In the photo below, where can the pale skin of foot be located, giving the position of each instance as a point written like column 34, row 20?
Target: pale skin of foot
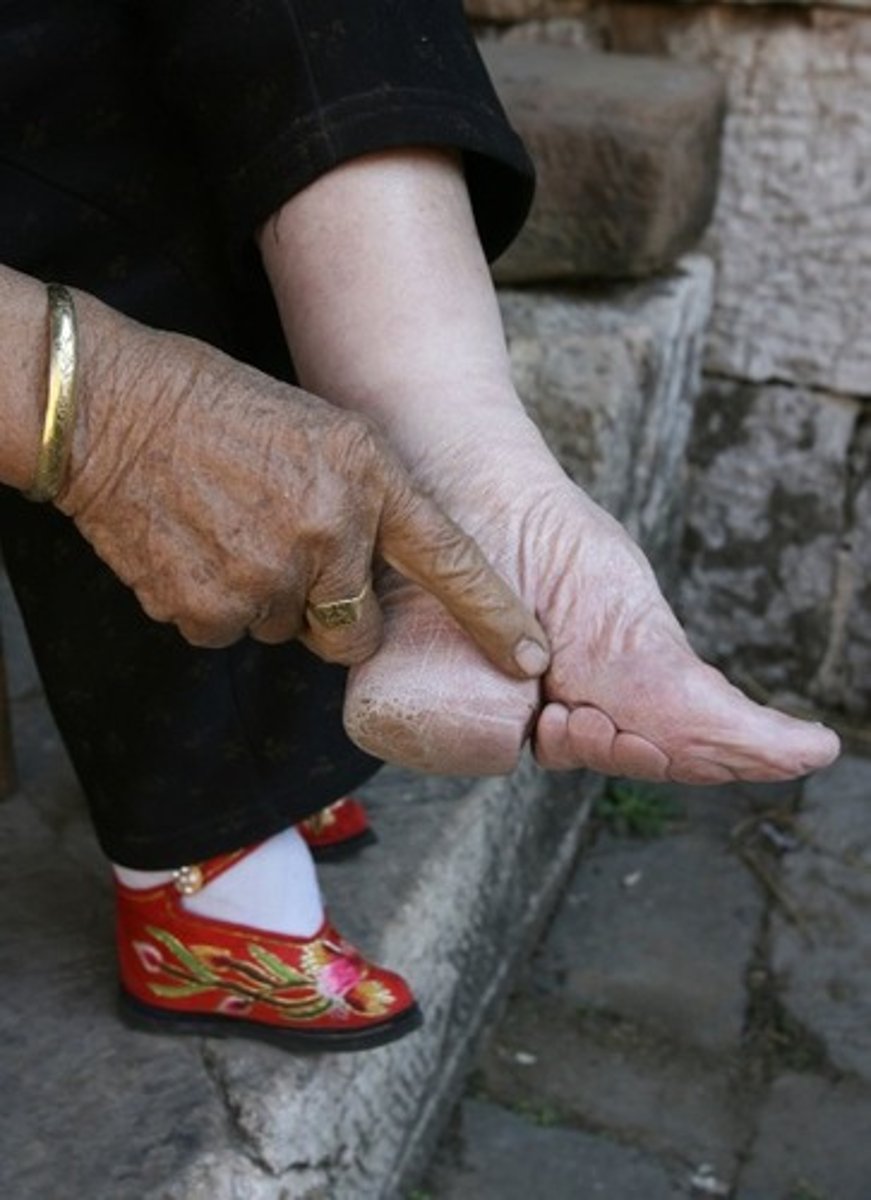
column 389, row 310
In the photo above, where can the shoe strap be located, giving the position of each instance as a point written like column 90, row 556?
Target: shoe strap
column 193, row 877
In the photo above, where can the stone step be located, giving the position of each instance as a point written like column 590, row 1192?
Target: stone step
column 627, row 150
column 463, row 876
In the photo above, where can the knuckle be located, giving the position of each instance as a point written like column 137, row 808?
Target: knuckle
column 361, row 443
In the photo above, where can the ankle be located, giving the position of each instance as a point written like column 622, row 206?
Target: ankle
column 272, row 886
column 139, row 881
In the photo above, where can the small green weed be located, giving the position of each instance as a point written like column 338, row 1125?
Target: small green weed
column 804, row 1191
column 631, row 809
column 538, row 1112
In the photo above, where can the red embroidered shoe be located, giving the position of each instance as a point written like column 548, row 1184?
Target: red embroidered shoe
column 183, row 973
column 337, row 831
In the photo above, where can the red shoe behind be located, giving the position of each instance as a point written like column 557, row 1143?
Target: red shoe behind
column 183, row 973
column 337, row 831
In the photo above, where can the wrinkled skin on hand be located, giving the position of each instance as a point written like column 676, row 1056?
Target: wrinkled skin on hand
column 229, row 501
column 625, row 693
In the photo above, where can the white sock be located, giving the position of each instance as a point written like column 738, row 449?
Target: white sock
column 274, row 888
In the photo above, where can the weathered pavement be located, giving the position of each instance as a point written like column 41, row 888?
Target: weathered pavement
column 697, row 1021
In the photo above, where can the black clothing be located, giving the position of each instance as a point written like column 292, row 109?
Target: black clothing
column 141, row 144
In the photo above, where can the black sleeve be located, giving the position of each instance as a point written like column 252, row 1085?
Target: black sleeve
column 277, row 92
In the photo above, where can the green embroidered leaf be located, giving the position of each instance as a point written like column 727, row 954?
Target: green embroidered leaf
column 197, row 968
column 175, row 991
column 278, row 969
column 304, row 1012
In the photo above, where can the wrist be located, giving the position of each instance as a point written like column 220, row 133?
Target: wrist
column 124, row 383
column 457, row 437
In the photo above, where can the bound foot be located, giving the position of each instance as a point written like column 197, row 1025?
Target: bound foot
column 625, row 693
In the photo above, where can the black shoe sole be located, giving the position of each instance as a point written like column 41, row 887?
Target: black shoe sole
column 349, row 848
column 148, row 1019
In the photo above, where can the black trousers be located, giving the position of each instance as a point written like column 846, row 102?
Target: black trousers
column 182, row 753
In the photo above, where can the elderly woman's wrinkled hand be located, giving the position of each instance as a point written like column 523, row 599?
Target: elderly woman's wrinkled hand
column 232, row 503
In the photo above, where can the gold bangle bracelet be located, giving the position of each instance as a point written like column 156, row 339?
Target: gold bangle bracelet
column 60, row 409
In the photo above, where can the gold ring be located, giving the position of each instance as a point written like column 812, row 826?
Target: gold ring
column 337, row 614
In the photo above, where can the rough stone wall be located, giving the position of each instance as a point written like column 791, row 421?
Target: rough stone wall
column 777, row 576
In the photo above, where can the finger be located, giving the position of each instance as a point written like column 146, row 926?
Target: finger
column 425, row 545
column 210, row 624
column 282, row 620
column 351, row 590
column 211, row 633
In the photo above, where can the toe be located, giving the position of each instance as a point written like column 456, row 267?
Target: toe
column 552, row 746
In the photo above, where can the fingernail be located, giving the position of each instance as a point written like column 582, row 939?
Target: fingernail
column 531, row 657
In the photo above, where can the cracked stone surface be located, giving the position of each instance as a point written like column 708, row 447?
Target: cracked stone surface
column 824, row 965
column 649, row 1091
column 510, row 1158
column 812, row 1143
column 769, row 583
column 600, row 1047
column 669, row 949
column 629, row 1022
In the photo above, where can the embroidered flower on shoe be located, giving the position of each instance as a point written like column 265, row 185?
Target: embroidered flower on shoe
column 149, row 956
column 337, row 978
column 324, row 978
column 235, row 1006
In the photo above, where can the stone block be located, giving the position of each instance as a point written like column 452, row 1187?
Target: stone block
column 528, row 10
column 760, row 591
column 507, row 1157
column 792, row 233
column 599, row 1073
column 627, row 153
column 824, row 966
column 523, row 10
column 610, row 376
column 558, row 31
column 667, row 952
column 812, row 1143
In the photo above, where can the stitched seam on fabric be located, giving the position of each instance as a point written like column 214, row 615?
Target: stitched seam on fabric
column 428, row 102
column 320, row 109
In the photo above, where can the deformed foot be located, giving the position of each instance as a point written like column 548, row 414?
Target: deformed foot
column 625, row 693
